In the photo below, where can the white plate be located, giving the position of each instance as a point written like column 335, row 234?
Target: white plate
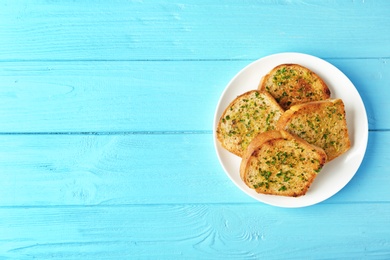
column 335, row 174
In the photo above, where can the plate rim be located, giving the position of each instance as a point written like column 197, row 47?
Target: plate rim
column 292, row 56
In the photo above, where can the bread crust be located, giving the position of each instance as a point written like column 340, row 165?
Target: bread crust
column 292, row 84
column 279, row 163
column 322, row 123
column 249, row 114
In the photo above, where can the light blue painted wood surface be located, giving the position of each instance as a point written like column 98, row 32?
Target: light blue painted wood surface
column 106, row 146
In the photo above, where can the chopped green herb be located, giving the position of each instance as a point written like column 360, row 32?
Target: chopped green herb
column 283, row 188
column 266, row 174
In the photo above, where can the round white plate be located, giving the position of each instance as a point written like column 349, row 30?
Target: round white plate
column 335, row 174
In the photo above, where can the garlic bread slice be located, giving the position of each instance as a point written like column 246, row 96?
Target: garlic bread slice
column 321, row 123
column 279, row 163
column 246, row 116
column 292, row 84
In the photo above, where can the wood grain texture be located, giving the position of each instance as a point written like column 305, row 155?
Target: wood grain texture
column 106, row 113
column 223, row 231
column 145, row 96
column 138, row 30
column 145, row 169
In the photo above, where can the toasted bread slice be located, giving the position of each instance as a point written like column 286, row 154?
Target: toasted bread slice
column 292, row 84
column 246, row 116
column 279, row 163
column 321, row 123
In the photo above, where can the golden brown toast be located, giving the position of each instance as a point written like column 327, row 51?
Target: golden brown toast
column 321, row 123
column 279, row 163
column 292, row 84
column 249, row 114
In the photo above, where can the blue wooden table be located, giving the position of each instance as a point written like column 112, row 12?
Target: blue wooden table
column 106, row 118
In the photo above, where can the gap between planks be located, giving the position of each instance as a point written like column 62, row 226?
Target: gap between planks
column 200, row 132
column 176, row 60
column 125, row 205
column 195, row 132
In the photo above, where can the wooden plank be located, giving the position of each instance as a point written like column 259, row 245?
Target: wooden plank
column 138, row 30
column 145, row 96
column 196, row 231
column 145, row 169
